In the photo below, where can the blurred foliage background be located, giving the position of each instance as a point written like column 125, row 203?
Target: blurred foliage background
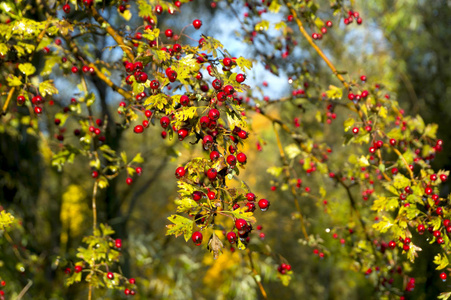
column 403, row 45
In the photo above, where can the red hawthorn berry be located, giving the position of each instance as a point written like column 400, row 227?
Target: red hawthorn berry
column 241, row 157
column 94, row 174
column 197, row 195
column 211, row 195
column 240, row 224
column 392, row 245
column 231, row 237
column 78, row 269
column 240, row 78
column 66, row 8
column 250, row 206
column 197, row 238
column 443, row 276
column 214, row 155
column 443, row 177
column 129, row 180
column 164, row 122
column 110, row 275
column 231, row 160
column 263, row 204
column 329, row 23
column 214, row 114
column 355, row 130
column 212, row 173
column 138, row 129
column 180, row 172
column 169, row 33
column 197, row 24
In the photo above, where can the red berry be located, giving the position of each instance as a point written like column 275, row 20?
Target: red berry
column 263, row 204
column 443, row 276
column 240, row 224
column 231, row 160
column 94, row 174
column 197, row 24
column 241, row 157
column 132, row 281
column 214, row 155
column 66, row 8
column 197, row 195
column 129, row 180
column 211, row 195
column 184, row 100
column 355, row 130
column 231, row 237
column 392, row 245
column 240, row 78
column 197, row 238
column 169, row 33
column 212, row 173
column 110, row 275
column 180, row 172
column 138, row 129
column 250, row 197
column 74, row 69
column 214, row 114
column 443, row 177
column 164, row 122
column 329, row 23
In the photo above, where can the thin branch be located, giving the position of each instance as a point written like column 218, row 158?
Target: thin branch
column 262, row 289
column 114, row 34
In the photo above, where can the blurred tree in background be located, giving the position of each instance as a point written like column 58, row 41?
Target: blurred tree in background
column 88, row 196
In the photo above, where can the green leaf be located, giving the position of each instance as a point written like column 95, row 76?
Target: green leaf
column 441, row 262
column 292, row 151
column 185, row 204
column 47, row 88
column 400, row 181
column 124, row 157
column 348, row 123
column 181, row 226
column 334, row 92
column 27, row 68
column 383, row 225
column 274, row 7
column 274, row 171
column 102, row 182
column 431, row 131
column 382, row 112
column 3, row 49
column 263, row 25
column 13, row 80
column 242, row 213
column 138, row 159
column 243, row 63
column 90, row 99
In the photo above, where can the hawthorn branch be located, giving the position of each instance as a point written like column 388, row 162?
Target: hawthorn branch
column 262, row 289
column 8, row 99
column 314, row 46
column 114, row 34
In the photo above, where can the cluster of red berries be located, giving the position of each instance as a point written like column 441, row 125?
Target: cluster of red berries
column 319, row 36
column 351, row 16
column 283, row 268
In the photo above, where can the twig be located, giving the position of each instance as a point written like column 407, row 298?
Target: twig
column 262, row 289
